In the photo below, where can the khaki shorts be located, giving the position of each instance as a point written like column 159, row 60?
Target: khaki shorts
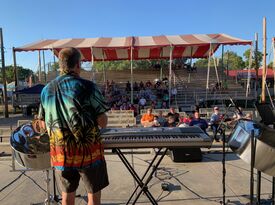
column 94, row 178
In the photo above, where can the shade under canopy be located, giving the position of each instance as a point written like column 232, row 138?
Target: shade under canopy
column 148, row 47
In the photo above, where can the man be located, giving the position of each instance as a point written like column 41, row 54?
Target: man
column 197, row 121
column 215, row 121
column 74, row 111
column 172, row 112
column 147, row 119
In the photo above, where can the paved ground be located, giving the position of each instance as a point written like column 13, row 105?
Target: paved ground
column 188, row 183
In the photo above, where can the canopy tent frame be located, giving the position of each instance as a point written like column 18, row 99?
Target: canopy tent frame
column 135, row 48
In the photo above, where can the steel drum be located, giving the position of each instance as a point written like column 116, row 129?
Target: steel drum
column 31, row 146
column 240, row 143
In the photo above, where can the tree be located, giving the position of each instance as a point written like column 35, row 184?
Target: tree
column 247, row 56
column 23, row 73
column 270, row 65
column 233, row 61
column 54, row 66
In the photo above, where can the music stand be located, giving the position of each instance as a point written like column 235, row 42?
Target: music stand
column 267, row 113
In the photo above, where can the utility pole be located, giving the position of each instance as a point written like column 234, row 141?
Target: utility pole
column 6, row 111
column 264, row 62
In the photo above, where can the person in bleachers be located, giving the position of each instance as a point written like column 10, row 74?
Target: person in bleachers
column 173, row 113
column 135, row 86
column 197, row 121
column 174, row 93
column 165, row 97
column 215, row 121
column 128, row 86
column 141, row 85
column 134, row 108
column 148, row 84
column 147, row 119
column 164, row 105
column 142, row 102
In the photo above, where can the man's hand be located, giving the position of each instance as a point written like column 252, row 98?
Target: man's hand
column 102, row 120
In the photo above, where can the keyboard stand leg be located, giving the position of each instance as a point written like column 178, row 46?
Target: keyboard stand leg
column 141, row 184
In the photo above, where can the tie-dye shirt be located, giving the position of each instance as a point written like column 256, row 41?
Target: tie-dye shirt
column 70, row 106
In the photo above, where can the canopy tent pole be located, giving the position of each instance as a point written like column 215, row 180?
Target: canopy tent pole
column 170, row 73
column 248, row 76
column 54, row 61
column 191, row 56
column 131, row 63
column 44, row 66
column 92, row 65
column 264, row 61
column 256, row 64
column 39, row 67
column 208, row 67
column 215, row 65
column 222, row 66
column 104, row 71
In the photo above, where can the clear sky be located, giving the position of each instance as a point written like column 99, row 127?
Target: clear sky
column 26, row 21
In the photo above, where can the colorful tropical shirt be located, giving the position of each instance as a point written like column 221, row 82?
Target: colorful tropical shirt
column 70, row 106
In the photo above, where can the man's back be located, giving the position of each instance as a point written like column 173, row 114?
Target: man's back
column 73, row 105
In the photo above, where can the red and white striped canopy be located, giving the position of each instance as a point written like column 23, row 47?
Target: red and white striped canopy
column 148, row 47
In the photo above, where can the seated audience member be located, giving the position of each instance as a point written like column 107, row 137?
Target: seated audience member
column 185, row 121
column 147, row 119
column 142, row 102
column 215, row 121
column 197, row 121
column 174, row 93
column 134, row 108
column 164, row 105
column 135, row 87
column 156, row 122
column 161, row 118
column 141, row 85
column 174, row 114
column 128, row 86
column 148, row 84
column 170, row 122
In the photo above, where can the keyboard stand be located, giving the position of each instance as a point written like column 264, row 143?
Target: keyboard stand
column 142, row 182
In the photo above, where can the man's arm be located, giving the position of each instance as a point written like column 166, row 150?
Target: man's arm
column 102, row 120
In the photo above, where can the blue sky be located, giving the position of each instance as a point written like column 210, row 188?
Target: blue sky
column 27, row 21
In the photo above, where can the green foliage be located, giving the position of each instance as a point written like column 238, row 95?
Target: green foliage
column 54, row 66
column 23, row 73
column 126, row 64
column 233, row 61
column 270, row 65
column 258, row 55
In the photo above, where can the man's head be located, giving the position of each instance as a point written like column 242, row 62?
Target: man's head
column 69, row 61
column 216, row 109
column 172, row 110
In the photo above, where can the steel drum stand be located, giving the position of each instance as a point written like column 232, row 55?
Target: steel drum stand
column 50, row 199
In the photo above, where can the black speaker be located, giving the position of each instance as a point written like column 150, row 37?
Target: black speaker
column 186, row 154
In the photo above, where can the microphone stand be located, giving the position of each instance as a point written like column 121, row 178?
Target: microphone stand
column 223, row 153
